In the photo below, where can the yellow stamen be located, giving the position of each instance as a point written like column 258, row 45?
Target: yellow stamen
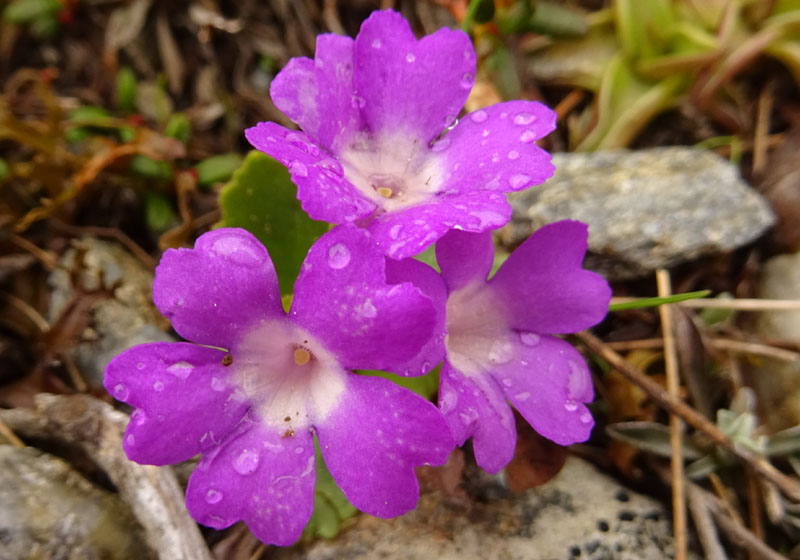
column 385, row 192
column 301, row 356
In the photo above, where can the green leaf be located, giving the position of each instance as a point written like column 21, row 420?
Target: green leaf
column 424, row 385
column 652, row 437
column 262, row 199
column 151, row 168
column 428, row 256
column 158, row 212
column 180, row 127
column 556, row 20
column 330, row 504
column 656, row 301
column 642, row 26
column 126, row 89
column 785, row 442
column 5, row 171
column 217, row 169
column 28, row 11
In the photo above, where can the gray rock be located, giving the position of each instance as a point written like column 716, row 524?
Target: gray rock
column 581, row 513
column 646, row 209
column 123, row 318
column 50, row 511
column 777, row 383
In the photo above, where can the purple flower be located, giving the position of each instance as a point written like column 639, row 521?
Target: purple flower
column 381, row 144
column 256, row 385
column 500, row 344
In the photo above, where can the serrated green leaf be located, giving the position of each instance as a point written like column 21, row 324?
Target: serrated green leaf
column 330, row 504
column 262, row 199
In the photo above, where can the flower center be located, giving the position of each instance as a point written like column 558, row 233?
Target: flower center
column 478, row 335
column 289, row 377
column 394, row 171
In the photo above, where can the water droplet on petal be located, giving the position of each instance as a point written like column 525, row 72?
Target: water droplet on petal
column 524, row 118
column 570, row 405
column 410, row 57
column 213, row 496
column 469, row 416
column 395, row 231
column 120, row 392
column 586, row 418
column 519, row 180
column 332, row 166
column 181, row 370
column 218, row 384
column 495, row 157
column 578, row 380
column 479, row 116
column 513, row 154
column 507, row 382
column 158, row 386
column 527, row 136
column 467, row 80
column 368, row 310
column 529, row 338
column 298, row 169
column 524, row 396
column 298, row 450
column 358, row 102
column 338, row 256
column 130, row 440
column 246, row 462
column 376, row 44
column 237, row 250
column 138, row 417
column 441, row 145
column 448, row 401
column 450, row 120
column 140, row 365
column 501, row 352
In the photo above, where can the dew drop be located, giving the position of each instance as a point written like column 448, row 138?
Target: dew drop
column 586, row 418
column 519, row 180
column 213, row 496
column 138, row 417
column 181, row 370
column 570, row 405
column 120, row 392
column 158, row 386
column 237, row 250
column 513, row 154
column 368, row 310
column 449, row 121
column 246, row 462
column 298, row 450
column 332, row 166
column 410, row 57
column 495, row 157
column 578, row 380
column 529, row 338
column 501, row 352
column 298, row 169
column 130, row 440
column 358, row 102
column 524, row 396
column 140, row 365
column 441, row 145
column 524, row 118
column 507, row 382
column 218, row 384
column 469, row 416
column 394, row 232
column 338, row 256
column 467, row 80
column 448, row 401
column 479, row 116
column 376, row 44
column 527, row 136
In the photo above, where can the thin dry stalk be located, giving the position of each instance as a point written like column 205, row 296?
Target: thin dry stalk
column 675, row 424
column 754, row 348
column 7, row 433
column 703, row 523
column 753, row 509
column 761, row 132
column 786, row 484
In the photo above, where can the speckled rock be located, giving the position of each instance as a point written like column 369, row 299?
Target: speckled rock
column 121, row 310
column 646, row 209
column 47, row 510
column 581, row 513
column 777, row 383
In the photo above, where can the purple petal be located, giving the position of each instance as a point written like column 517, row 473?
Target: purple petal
column 409, row 232
column 465, row 257
column 410, row 85
column 375, row 439
column 475, row 406
column 182, row 399
column 430, row 283
column 325, row 194
column 493, row 148
column 259, row 477
column 548, row 382
column 544, row 287
column 319, row 94
column 213, row 292
column 342, row 298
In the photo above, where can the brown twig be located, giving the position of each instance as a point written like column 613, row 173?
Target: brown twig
column 742, row 347
column 706, row 530
column 786, row 484
column 761, row 132
column 754, row 511
column 675, row 424
column 48, row 259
